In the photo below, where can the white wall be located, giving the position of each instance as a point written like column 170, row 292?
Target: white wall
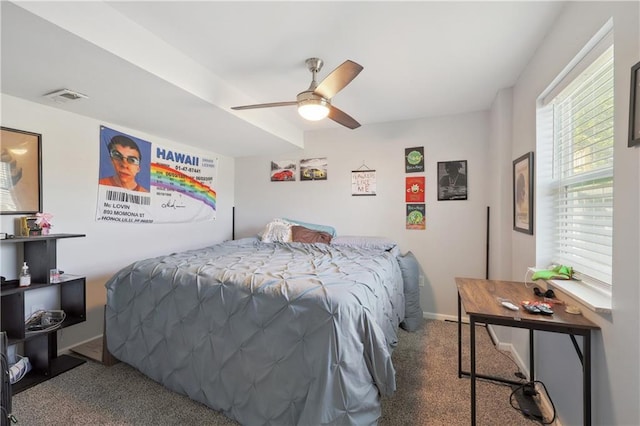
column 615, row 365
column 70, row 153
column 453, row 243
column 500, row 182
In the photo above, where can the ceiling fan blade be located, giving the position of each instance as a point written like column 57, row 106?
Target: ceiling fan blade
column 269, row 105
column 338, row 79
column 343, row 118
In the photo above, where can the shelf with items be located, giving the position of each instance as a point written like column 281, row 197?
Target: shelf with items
column 55, row 366
column 40, row 253
column 72, row 302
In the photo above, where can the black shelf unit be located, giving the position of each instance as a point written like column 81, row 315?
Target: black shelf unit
column 42, row 348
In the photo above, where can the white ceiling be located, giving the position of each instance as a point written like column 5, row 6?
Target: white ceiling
column 173, row 69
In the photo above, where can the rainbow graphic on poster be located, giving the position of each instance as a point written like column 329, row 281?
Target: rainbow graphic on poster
column 167, row 178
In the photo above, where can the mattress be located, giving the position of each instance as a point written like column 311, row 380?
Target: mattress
column 267, row 333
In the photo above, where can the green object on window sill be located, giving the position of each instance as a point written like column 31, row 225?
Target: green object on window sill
column 560, row 272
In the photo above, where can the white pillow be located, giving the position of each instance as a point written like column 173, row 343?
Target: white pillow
column 277, row 230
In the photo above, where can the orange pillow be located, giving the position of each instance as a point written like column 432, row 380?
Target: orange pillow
column 301, row 234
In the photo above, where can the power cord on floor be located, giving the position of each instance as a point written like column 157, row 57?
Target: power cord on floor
column 529, row 389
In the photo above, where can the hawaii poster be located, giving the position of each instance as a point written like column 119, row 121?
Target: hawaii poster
column 144, row 182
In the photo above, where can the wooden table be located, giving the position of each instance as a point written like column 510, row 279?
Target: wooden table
column 481, row 300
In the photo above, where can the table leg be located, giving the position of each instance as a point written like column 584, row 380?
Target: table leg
column 586, row 377
column 532, row 364
column 472, row 333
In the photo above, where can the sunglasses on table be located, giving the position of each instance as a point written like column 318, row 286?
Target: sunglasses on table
column 116, row 155
column 549, row 294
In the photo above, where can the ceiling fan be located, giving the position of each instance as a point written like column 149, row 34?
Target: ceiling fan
column 315, row 102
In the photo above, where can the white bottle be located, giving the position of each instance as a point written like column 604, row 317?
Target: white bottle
column 25, row 276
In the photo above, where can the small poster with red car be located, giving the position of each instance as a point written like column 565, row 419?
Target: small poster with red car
column 283, row 170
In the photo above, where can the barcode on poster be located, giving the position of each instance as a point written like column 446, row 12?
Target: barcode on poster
column 128, row 198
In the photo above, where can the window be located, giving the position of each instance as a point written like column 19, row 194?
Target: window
column 575, row 142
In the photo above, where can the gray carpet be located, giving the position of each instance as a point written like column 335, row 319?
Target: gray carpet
column 429, row 390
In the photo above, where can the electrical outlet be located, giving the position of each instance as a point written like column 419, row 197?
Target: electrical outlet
column 421, row 281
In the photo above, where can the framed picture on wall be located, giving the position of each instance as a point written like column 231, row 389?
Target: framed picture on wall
column 523, row 194
column 452, row 180
column 416, row 218
column 363, row 182
column 414, row 159
column 414, row 189
column 283, row 171
column 21, row 172
column 313, row 169
column 634, row 108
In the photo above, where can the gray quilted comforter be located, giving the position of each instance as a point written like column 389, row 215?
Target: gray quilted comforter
column 267, row 333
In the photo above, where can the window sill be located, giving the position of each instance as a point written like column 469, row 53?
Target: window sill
column 592, row 298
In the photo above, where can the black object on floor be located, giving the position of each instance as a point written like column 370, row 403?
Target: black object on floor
column 528, row 405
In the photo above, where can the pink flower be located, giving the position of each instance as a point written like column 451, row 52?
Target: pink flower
column 44, row 220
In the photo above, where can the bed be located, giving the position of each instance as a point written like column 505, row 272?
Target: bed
column 268, row 333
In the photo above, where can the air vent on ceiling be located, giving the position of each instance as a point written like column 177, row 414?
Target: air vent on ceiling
column 65, row 95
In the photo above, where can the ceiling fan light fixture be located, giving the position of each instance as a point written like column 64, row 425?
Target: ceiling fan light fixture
column 312, row 107
column 313, row 110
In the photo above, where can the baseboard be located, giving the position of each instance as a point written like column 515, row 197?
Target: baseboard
column 440, row 317
column 67, row 349
column 508, row 347
column 91, row 349
column 545, row 406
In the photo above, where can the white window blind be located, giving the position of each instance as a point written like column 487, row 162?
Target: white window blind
column 582, row 171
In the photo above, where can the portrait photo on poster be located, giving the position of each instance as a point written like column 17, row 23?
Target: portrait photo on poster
column 523, row 194
column 452, row 180
column 125, row 161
